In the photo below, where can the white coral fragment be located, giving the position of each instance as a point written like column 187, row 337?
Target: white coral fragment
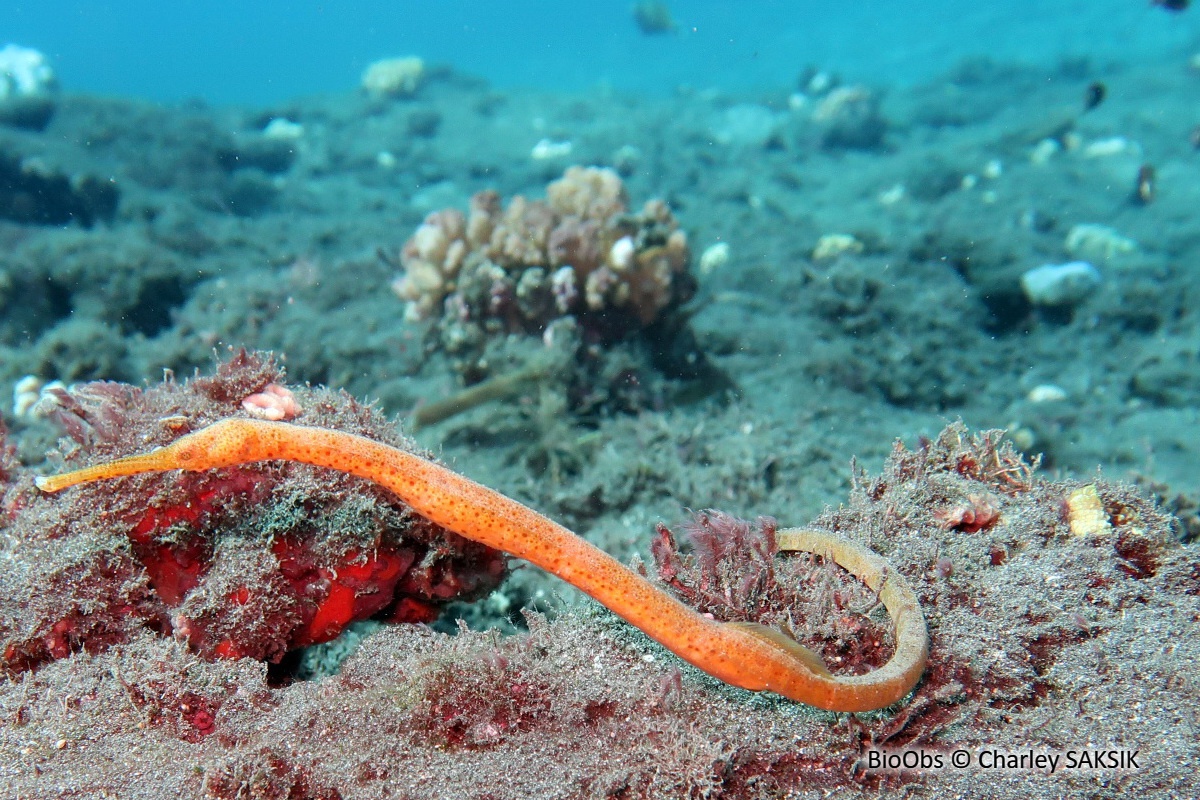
column 394, row 77
column 1085, row 512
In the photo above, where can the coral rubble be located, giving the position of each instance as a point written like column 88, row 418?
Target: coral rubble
column 394, row 77
column 28, row 87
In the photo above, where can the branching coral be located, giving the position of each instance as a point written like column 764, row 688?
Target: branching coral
column 519, row 267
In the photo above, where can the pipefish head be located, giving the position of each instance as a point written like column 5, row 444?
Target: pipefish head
column 222, row 444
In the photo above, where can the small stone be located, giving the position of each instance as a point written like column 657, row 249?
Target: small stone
column 283, row 129
column 1044, row 150
column 746, row 125
column 832, row 245
column 394, row 77
column 1047, row 393
column 714, row 257
column 1098, row 243
column 1060, row 284
column 547, row 149
column 26, row 394
column 1112, row 146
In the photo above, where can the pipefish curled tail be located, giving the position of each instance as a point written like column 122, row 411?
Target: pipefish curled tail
column 745, row 655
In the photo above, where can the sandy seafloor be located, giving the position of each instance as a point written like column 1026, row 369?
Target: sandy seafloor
column 833, row 359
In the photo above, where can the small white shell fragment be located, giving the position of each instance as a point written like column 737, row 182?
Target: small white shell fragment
column 1046, row 393
column 1060, row 284
column 1112, row 146
column 25, row 394
column 714, row 257
column 549, row 148
column 395, row 77
column 832, row 245
column 1044, row 150
column 1098, row 243
column 1085, row 512
column 282, row 128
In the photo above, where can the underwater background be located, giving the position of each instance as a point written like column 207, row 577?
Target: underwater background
column 923, row 275
column 231, row 52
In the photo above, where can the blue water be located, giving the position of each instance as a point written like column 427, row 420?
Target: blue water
column 247, row 51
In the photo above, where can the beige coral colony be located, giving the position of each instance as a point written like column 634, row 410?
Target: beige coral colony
column 579, row 251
